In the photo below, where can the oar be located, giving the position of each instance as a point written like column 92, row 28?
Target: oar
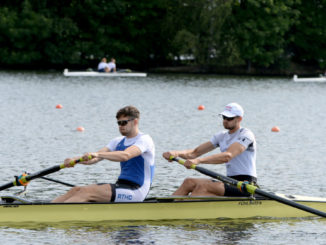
column 252, row 189
column 57, row 181
column 24, row 179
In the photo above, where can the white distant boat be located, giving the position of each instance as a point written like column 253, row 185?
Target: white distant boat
column 124, row 73
column 309, row 79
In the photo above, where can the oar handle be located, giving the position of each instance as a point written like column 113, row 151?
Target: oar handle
column 181, row 161
column 74, row 162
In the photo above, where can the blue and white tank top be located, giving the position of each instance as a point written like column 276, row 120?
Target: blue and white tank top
column 140, row 169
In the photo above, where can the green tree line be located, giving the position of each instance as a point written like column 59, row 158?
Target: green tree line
column 145, row 34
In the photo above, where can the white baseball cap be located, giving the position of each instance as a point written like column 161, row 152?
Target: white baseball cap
column 232, row 110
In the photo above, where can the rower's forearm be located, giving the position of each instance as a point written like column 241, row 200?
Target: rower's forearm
column 115, row 156
column 220, row 158
column 186, row 154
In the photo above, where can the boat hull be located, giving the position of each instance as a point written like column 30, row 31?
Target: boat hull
column 233, row 208
column 68, row 73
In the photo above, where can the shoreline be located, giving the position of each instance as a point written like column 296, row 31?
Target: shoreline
column 241, row 70
column 292, row 69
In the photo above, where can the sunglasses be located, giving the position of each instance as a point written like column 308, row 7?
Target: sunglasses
column 124, row 122
column 228, row 118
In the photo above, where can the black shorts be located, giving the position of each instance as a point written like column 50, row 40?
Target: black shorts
column 233, row 191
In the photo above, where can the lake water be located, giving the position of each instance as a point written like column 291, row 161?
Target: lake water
column 35, row 135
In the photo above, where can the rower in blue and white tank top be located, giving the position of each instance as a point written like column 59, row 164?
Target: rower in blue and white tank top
column 138, row 170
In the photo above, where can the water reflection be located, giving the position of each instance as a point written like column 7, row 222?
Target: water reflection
column 130, row 235
column 223, row 231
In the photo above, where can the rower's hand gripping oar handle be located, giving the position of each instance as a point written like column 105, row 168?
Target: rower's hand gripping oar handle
column 181, row 161
column 243, row 186
column 74, row 162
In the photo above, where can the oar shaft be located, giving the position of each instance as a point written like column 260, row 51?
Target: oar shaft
column 290, row 203
column 253, row 189
column 6, row 186
column 209, row 172
column 29, row 177
column 43, row 172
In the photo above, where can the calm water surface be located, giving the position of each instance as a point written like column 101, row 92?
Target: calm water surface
column 35, row 136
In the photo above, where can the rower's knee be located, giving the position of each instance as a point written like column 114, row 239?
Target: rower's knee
column 199, row 186
column 189, row 183
column 208, row 187
column 81, row 192
column 76, row 189
column 220, row 189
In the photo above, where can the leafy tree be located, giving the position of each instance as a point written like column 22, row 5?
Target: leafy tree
column 309, row 33
column 65, row 33
column 68, row 32
column 196, row 28
column 260, row 28
column 22, row 34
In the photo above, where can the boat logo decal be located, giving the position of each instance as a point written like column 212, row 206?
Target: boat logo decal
column 10, row 206
column 251, row 202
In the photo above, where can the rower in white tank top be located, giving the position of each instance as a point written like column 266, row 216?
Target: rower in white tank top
column 244, row 163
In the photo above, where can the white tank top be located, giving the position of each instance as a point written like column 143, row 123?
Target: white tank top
column 244, row 163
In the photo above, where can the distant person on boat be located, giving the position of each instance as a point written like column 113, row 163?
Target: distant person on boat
column 238, row 152
column 103, row 66
column 134, row 150
column 112, row 66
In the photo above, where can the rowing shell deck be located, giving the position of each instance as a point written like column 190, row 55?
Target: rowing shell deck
column 157, row 209
column 309, row 79
column 68, row 73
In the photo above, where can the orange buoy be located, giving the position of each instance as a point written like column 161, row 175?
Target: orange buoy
column 58, row 106
column 275, row 129
column 201, row 107
column 80, row 129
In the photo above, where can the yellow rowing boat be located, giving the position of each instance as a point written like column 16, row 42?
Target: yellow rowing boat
column 264, row 205
column 169, row 208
